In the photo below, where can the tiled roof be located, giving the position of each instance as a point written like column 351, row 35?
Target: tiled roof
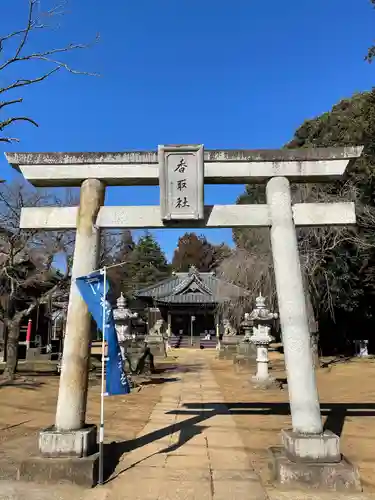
column 192, row 288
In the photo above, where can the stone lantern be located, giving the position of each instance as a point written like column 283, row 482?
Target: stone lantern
column 123, row 322
column 262, row 319
column 261, row 338
column 261, row 315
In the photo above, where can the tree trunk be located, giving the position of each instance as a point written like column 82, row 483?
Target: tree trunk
column 13, row 327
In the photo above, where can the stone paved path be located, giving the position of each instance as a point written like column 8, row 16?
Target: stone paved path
column 190, row 448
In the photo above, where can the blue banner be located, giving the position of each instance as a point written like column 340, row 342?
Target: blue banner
column 91, row 288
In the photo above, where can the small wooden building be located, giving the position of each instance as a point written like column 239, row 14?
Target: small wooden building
column 188, row 302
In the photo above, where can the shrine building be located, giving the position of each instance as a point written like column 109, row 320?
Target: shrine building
column 188, row 303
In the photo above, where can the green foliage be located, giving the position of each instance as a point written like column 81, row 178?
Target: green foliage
column 137, row 264
column 351, row 122
column 148, row 263
column 344, row 279
column 339, row 263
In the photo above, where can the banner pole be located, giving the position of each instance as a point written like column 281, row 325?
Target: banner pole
column 101, row 429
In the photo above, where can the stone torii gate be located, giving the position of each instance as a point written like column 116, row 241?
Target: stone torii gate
column 182, row 172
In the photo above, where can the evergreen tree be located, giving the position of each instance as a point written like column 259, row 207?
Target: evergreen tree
column 339, row 263
column 148, row 263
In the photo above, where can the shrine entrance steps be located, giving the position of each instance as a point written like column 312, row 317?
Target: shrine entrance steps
column 186, row 342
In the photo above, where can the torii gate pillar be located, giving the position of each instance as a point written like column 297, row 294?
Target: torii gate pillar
column 71, row 403
column 303, row 394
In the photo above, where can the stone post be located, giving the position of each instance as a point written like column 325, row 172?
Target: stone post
column 217, row 331
column 229, row 341
column 303, row 394
column 169, row 333
column 71, row 404
column 308, row 455
column 361, row 348
column 247, row 326
column 261, row 338
column 246, row 350
column 169, row 327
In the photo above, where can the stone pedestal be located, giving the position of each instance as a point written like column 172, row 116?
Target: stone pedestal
column 245, row 357
column 78, row 471
column 35, row 354
column 63, row 444
column 133, row 350
column 65, row 456
column 138, row 358
column 228, row 346
column 156, row 339
column 156, row 343
column 262, row 339
column 313, row 461
column 262, row 364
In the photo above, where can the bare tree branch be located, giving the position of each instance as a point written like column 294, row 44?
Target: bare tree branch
column 9, row 103
column 44, row 56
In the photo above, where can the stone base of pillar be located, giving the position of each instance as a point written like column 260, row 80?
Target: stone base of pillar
column 79, row 471
column 313, row 461
column 64, row 444
column 69, row 456
column 320, row 448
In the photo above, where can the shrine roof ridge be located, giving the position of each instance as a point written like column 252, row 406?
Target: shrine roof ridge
column 151, row 157
column 175, row 290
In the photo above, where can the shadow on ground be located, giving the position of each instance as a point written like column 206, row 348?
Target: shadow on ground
column 159, row 380
column 335, row 412
column 186, row 369
column 30, row 385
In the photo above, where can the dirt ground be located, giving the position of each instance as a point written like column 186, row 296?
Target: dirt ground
column 347, row 397
column 28, row 407
column 345, row 389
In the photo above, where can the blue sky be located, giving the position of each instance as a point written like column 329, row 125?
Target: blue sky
column 238, row 74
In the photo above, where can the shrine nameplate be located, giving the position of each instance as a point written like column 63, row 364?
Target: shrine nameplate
column 181, row 178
